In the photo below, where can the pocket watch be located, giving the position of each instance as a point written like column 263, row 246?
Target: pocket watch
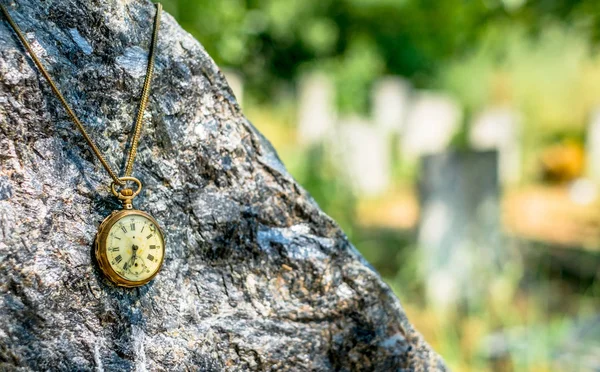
column 129, row 245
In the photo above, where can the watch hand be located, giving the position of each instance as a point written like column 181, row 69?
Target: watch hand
column 128, row 264
column 131, row 261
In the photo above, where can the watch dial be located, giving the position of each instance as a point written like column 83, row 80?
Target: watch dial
column 134, row 247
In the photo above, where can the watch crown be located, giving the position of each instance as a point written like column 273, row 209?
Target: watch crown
column 127, row 192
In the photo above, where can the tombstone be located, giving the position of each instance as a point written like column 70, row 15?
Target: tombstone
column 593, row 147
column 363, row 155
column 316, row 108
column 236, row 83
column 459, row 229
column 432, row 121
column 390, row 104
column 498, row 129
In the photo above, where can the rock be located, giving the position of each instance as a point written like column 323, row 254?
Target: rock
column 256, row 277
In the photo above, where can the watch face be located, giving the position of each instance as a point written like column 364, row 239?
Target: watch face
column 132, row 246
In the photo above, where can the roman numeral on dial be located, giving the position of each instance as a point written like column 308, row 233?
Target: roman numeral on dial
column 115, row 249
column 124, row 229
column 118, row 258
column 151, row 257
column 132, row 227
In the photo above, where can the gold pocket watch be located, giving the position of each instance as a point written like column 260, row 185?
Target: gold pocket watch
column 129, row 245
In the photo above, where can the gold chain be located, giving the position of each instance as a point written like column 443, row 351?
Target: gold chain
column 143, row 102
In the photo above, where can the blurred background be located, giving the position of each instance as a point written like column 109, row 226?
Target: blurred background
column 458, row 145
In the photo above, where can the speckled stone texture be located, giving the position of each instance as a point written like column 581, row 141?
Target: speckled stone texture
column 256, row 277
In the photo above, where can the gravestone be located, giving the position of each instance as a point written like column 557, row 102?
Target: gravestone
column 390, row 104
column 499, row 129
column 459, row 229
column 256, row 276
column 316, row 108
column 363, row 155
column 432, row 121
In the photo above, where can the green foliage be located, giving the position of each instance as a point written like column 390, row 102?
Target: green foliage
column 353, row 73
column 272, row 41
column 357, row 40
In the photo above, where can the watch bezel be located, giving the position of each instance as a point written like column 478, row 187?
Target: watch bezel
column 101, row 254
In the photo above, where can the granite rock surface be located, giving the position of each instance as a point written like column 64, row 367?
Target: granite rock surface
column 256, row 276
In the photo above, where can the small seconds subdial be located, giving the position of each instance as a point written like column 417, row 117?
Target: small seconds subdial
column 134, row 248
